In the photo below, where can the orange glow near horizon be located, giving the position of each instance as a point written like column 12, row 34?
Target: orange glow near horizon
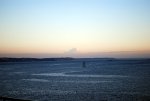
column 74, row 28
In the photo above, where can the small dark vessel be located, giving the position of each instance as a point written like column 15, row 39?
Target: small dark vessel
column 83, row 64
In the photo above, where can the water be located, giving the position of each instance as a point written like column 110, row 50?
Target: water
column 100, row 80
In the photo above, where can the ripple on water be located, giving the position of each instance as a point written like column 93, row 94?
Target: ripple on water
column 78, row 75
column 37, row 80
column 68, row 81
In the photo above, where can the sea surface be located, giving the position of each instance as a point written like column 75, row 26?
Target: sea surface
column 69, row 80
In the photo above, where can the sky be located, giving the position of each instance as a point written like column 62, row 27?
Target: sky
column 76, row 28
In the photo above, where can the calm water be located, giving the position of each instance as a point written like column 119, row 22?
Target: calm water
column 100, row 80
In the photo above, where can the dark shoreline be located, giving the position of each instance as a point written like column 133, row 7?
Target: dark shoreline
column 11, row 59
column 32, row 59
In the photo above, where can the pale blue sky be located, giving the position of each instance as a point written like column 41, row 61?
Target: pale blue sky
column 89, row 26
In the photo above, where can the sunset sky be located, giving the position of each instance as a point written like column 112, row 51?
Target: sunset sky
column 77, row 28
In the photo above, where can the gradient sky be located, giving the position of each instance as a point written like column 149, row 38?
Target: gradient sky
column 87, row 28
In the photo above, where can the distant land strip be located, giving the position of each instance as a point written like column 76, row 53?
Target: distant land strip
column 11, row 59
column 33, row 59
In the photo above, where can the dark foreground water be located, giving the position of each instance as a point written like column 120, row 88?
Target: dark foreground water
column 100, row 80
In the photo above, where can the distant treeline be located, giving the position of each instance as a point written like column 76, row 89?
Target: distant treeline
column 33, row 59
